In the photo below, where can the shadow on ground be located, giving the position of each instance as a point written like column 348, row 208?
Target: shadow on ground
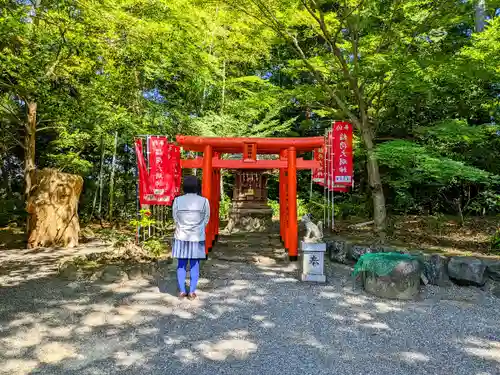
column 252, row 317
column 12, row 238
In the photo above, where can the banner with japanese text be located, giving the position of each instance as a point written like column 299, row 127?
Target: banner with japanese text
column 161, row 184
column 318, row 174
column 330, row 172
column 342, row 158
column 335, row 159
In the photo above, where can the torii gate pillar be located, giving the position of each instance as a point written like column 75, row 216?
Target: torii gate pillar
column 292, row 204
column 207, row 192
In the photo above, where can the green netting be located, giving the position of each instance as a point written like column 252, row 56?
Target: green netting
column 381, row 264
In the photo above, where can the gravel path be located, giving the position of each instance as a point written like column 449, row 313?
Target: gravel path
column 250, row 318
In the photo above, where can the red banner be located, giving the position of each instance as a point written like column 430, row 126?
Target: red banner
column 161, row 184
column 318, row 174
column 142, row 171
column 335, row 157
column 342, row 160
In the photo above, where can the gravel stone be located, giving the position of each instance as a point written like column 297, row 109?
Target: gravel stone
column 248, row 319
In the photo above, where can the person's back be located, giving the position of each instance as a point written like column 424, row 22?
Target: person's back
column 191, row 214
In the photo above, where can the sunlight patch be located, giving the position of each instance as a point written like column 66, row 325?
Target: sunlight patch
column 223, row 349
column 19, row 366
column 376, row 325
column 330, row 295
column 55, row 352
column 355, row 300
column 185, row 355
column 413, row 357
column 383, row 307
column 127, row 359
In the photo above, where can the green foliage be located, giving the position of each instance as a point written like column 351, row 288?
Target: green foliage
column 415, row 164
column 11, row 209
column 220, row 68
column 495, row 240
column 414, row 171
column 275, row 205
column 144, row 220
column 315, row 208
column 225, row 205
column 155, row 247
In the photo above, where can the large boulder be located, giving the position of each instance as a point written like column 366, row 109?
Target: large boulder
column 356, row 251
column 436, row 269
column 402, row 283
column 494, row 288
column 338, row 251
column 493, row 269
column 467, row 271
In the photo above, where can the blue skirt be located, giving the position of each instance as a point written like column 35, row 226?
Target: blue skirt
column 188, row 249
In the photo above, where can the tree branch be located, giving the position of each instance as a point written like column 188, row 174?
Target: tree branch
column 11, row 112
column 48, row 127
column 281, row 29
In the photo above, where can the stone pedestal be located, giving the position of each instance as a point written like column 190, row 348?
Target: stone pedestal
column 249, row 211
column 312, row 261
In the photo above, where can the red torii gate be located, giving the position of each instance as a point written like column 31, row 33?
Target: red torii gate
column 288, row 164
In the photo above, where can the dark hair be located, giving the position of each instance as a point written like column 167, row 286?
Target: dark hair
column 190, row 185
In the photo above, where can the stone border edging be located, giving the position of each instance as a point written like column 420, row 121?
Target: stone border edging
column 439, row 269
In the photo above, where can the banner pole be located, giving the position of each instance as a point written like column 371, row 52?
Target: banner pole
column 324, row 180
column 137, row 210
column 333, row 179
column 327, row 148
column 147, row 158
column 311, row 187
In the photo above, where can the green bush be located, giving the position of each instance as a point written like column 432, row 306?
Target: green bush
column 11, row 209
column 225, row 205
column 155, row 247
column 495, row 240
column 303, row 207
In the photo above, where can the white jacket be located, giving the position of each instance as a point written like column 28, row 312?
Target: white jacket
column 191, row 213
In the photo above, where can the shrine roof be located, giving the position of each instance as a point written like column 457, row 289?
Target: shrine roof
column 235, row 145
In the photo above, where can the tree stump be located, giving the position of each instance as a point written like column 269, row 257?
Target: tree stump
column 53, row 209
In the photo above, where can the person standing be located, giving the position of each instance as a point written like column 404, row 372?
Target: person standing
column 191, row 213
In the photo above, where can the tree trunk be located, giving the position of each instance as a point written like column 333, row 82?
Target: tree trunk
column 53, row 209
column 101, row 182
column 112, row 179
column 94, row 203
column 223, row 93
column 29, row 153
column 375, row 182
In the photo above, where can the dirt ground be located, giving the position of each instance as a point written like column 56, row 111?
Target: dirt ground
column 428, row 233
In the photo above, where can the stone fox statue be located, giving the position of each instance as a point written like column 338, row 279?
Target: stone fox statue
column 312, row 229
